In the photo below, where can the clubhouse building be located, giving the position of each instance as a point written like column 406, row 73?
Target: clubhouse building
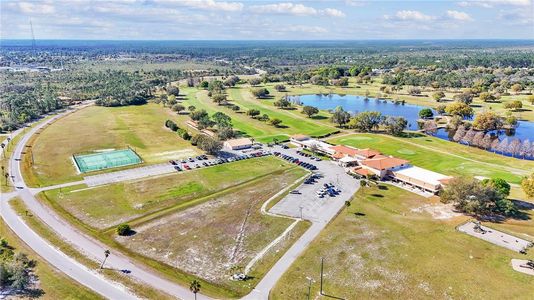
column 371, row 163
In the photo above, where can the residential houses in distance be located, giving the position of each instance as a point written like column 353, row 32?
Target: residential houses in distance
column 371, row 163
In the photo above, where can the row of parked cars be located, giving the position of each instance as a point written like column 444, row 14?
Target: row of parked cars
column 312, row 179
column 308, row 155
column 189, row 159
column 329, row 189
column 296, row 161
column 202, row 160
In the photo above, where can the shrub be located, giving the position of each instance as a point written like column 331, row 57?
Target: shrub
column 123, row 229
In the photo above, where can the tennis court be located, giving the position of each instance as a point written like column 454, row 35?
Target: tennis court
column 106, row 160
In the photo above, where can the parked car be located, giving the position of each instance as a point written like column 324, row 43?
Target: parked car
column 295, row 192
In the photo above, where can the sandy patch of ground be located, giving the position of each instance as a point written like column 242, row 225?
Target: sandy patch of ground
column 438, row 211
column 215, row 239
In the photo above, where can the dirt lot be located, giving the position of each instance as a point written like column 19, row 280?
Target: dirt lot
column 215, row 239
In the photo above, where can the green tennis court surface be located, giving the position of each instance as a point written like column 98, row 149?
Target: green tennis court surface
column 106, row 160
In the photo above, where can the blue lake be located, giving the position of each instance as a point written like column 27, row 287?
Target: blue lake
column 410, row 112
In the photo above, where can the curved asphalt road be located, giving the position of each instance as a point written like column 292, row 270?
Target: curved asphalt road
column 94, row 249
column 89, row 246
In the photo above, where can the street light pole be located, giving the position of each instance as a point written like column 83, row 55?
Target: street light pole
column 309, row 287
column 322, row 263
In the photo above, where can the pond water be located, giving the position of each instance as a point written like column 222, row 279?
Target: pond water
column 410, row 112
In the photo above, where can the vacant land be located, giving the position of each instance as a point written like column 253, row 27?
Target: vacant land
column 105, row 206
column 218, row 238
column 97, row 128
column 380, row 248
column 53, row 283
column 442, row 156
column 259, row 130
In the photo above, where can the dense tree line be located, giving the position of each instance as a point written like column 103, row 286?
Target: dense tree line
column 19, row 105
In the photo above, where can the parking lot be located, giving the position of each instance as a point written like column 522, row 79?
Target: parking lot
column 308, row 203
column 166, row 168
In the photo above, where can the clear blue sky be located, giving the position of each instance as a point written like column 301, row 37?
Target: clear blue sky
column 258, row 20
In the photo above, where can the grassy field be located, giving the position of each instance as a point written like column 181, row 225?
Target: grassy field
column 203, row 207
column 260, row 130
column 215, row 239
column 96, row 128
column 53, row 283
column 442, row 156
column 379, row 248
column 102, row 207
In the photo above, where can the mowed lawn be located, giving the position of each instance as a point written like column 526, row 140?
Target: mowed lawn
column 259, row 130
column 106, row 206
column 97, row 128
column 53, row 283
column 443, row 156
column 220, row 237
column 378, row 248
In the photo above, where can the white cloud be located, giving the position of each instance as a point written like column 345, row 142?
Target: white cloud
column 458, row 15
column 204, row 4
column 332, row 12
column 285, row 8
column 516, row 17
column 410, row 15
column 32, row 8
column 306, row 29
column 492, row 3
column 355, row 2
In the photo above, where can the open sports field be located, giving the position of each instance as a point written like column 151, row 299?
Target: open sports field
column 106, row 159
column 102, row 207
column 382, row 247
column 220, row 237
column 259, row 130
column 442, row 156
column 100, row 128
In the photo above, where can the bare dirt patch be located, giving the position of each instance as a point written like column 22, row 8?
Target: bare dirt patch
column 214, row 239
column 438, row 211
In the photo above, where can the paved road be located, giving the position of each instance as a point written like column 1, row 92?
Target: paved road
column 320, row 211
column 87, row 245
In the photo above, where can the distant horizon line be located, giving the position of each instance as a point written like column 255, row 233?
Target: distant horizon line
column 272, row 40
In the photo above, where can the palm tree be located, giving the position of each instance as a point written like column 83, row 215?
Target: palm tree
column 195, row 287
column 106, row 254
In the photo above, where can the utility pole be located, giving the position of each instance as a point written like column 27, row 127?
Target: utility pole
column 322, row 264
column 309, row 287
column 33, row 35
